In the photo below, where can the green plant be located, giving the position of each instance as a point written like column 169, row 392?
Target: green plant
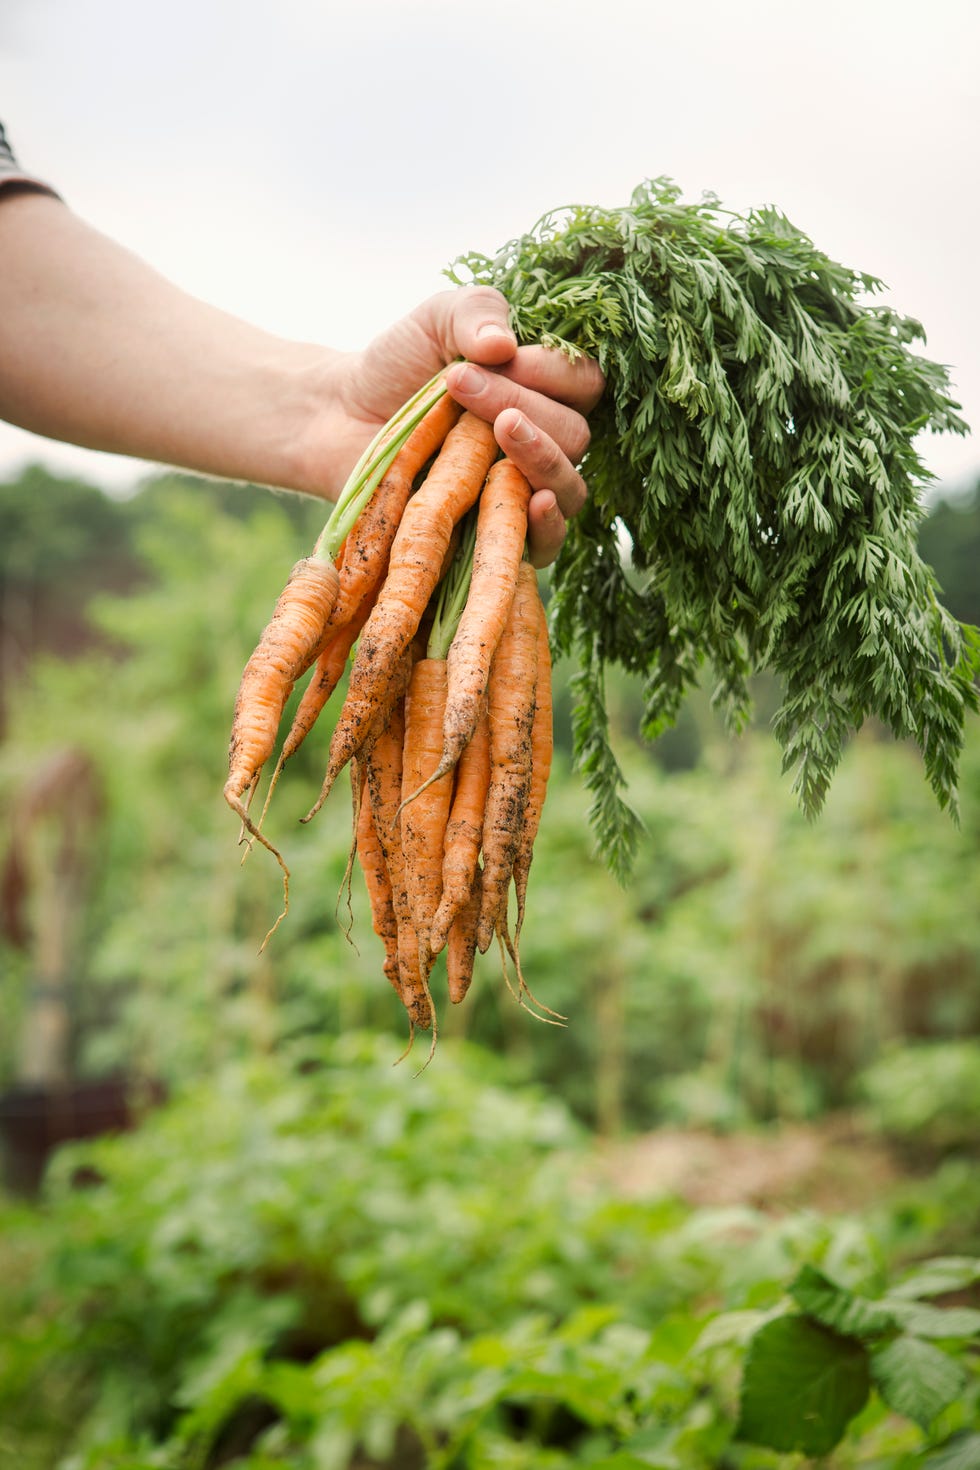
column 314, row 1260
column 926, row 1095
column 809, row 1372
column 753, row 486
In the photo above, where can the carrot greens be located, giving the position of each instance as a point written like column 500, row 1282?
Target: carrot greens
column 754, row 486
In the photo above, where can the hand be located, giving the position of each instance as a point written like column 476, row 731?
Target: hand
column 536, row 398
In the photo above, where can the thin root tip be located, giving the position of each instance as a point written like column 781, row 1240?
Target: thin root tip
column 327, row 787
column 411, row 1042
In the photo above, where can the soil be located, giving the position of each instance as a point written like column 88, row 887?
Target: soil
column 829, row 1166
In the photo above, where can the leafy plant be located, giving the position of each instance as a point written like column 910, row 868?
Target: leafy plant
column 754, row 486
column 314, row 1260
column 809, row 1373
column 926, row 1095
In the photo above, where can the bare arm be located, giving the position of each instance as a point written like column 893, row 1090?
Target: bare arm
column 98, row 349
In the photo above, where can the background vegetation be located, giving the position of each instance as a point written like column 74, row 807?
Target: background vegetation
column 309, row 1258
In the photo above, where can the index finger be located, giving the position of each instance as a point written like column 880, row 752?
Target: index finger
column 577, row 382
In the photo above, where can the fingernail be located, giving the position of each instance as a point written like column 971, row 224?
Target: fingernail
column 522, row 432
column 469, row 379
column 493, row 329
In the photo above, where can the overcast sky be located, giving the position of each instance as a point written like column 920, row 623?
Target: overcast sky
column 313, row 165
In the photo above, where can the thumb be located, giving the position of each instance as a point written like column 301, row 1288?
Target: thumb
column 473, row 322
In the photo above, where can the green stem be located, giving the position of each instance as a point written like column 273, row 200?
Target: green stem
column 374, row 464
column 453, row 592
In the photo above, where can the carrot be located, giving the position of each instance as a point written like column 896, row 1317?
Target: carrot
column 362, row 566
column 326, row 676
column 283, row 652
column 461, row 945
column 281, row 656
column 378, row 882
column 384, row 781
column 392, row 691
column 511, row 700
column 375, row 463
column 329, row 671
column 501, row 531
column 423, row 822
column 542, row 747
column 450, row 488
column 369, row 539
column 464, row 831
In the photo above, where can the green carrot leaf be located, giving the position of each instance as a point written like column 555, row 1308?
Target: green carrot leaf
column 755, row 486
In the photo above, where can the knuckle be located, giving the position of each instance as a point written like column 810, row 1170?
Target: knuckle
column 596, row 382
column 576, row 497
column 481, row 299
column 549, row 458
column 578, row 440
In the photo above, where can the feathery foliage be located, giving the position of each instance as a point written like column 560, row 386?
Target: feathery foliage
column 754, row 486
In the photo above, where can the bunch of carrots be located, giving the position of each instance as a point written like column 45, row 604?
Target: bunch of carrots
column 446, row 722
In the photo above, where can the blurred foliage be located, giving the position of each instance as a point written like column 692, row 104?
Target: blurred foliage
column 316, row 1261
column 949, row 539
column 313, row 1259
column 927, row 1096
column 753, row 969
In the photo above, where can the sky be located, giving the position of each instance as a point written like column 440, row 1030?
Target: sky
column 312, row 166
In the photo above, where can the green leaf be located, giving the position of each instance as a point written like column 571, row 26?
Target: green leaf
column 938, row 1276
column 839, row 1309
column 962, row 1452
column 754, row 485
column 729, row 1327
column 916, row 1379
column 801, row 1387
column 924, row 1320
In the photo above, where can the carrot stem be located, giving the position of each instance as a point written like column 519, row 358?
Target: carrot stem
column 453, row 592
column 373, row 464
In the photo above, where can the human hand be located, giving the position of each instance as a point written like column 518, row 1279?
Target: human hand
column 535, row 397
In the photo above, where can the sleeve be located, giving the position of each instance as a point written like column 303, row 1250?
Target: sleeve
column 11, row 171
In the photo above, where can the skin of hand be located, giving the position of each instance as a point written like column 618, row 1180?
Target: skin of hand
column 537, row 399
column 98, row 349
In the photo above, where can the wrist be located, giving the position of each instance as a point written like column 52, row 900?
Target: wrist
column 316, row 424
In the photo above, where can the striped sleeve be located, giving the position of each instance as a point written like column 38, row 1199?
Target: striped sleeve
column 11, row 171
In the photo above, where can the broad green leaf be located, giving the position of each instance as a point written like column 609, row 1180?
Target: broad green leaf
column 916, row 1379
column 836, row 1307
column 802, row 1385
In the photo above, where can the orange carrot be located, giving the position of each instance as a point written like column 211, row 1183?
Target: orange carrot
column 378, row 883
column 511, row 700
column 423, row 821
column 461, row 945
column 280, row 657
column 452, row 485
column 542, row 746
column 369, row 539
column 391, row 693
column 326, row 676
column 384, row 781
column 329, row 671
column 501, row 531
column 464, row 831
column 283, row 652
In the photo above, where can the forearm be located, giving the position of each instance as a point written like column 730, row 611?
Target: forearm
column 98, row 349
